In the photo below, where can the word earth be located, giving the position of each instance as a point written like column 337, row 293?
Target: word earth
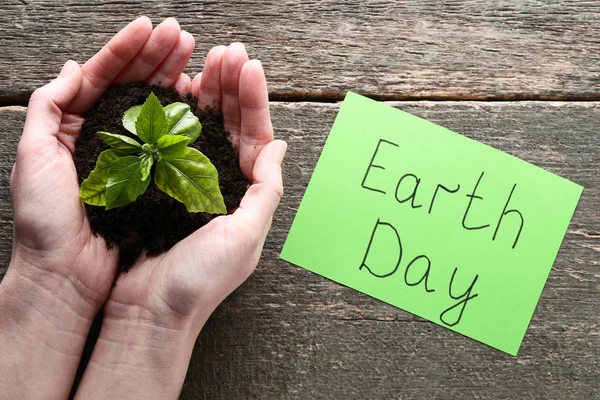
column 413, row 181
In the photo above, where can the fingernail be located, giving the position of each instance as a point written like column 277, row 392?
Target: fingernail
column 144, row 18
column 188, row 35
column 69, row 68
column 170, row 19
column 280, row 150
column 238, row 45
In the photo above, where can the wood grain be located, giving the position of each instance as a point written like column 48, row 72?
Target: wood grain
column 288, row 333
column 12, row 120
column 388, row 49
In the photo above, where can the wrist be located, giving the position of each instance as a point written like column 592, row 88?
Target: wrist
column 138, row 354
column 157, row 342
column 30, row 286
column 41, row 332
column 46, row 312
column 127, row 319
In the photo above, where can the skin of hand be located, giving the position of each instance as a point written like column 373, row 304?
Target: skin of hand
column 60, row 273
column 156, row 311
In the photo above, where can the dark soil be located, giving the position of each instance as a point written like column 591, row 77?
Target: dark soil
column 155, row 221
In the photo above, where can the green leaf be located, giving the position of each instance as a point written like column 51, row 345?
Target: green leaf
column 181, row 121
column 170, row 146
column 147, row 161
column 191, row 179
column 130, row 117
column 122, row 143
column 125, row 182
column 93, row 188
column 151, row 124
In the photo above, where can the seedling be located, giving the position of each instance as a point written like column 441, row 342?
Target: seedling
column 123, row 173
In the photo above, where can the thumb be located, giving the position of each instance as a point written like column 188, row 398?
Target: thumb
column 261, row 199
column 44, row 113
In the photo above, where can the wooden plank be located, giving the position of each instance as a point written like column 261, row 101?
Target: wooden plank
column 288, row 333
column 392, row 50
column 12, row 120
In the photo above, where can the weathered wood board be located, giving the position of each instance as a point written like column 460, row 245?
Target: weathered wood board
column 288, row 333
column 389, row 49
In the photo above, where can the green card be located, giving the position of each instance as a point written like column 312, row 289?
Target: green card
column 433, row 222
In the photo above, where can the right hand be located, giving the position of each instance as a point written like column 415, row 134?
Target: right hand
column 156, row 310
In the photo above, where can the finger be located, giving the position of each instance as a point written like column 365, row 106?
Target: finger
column 233, row 60
column 70, row 128
column 183, row 84
column 210, row 86
column 100, row 71
column 44, row 113
column 261, row 199
column 160, row 43
column 256, row 129
column 196, row 85
column 167, row 73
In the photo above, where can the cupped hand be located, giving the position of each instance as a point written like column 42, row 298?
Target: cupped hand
column 53, row 242
column 193, row 277
column 60, row 273
column 156, row 310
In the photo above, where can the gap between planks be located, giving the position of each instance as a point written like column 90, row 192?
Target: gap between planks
column 21, row 99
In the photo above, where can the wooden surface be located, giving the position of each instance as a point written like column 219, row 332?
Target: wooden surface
column 290, row 334
column 390, row 49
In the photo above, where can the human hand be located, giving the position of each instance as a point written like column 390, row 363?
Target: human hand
column 156, row 310
column 60, row 273
column 207, row 266
column 52, row 233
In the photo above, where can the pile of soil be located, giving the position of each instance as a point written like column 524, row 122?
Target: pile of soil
column 155, row 221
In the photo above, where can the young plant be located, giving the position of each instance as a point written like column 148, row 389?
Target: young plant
column 123, row 173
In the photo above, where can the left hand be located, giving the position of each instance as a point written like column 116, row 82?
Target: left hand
column 61, row 273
